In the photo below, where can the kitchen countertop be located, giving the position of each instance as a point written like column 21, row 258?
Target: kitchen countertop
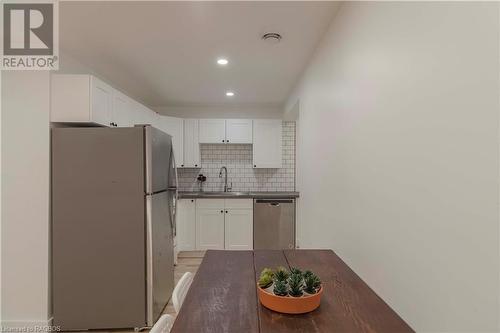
column 236, row 194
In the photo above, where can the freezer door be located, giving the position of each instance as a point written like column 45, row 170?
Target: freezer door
column 160, row 254
column 158, row 146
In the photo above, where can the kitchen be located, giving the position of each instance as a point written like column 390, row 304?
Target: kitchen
column 190, row 165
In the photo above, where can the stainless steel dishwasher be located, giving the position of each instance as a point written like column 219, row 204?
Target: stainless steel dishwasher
column 273, row 224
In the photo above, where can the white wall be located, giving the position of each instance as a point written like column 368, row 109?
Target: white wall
column 224, row 112
column 398, row 138
column 25, row 198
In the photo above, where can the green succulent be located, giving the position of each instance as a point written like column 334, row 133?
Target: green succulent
column 280, row 288
column 266, row 278
column 281, row 274
column 267, row 271
column 295, row 270
column 312, row 283
column 307, row 274
column 295, row 283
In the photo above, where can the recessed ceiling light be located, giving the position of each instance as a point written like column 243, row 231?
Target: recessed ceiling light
column 229, row 93
column 222, row 61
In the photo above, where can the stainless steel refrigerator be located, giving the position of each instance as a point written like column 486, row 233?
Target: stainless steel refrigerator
column 114, row 193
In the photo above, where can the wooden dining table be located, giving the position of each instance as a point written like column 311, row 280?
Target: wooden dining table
column 223, row 296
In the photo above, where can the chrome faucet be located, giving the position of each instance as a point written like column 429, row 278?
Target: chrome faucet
column 226, row 188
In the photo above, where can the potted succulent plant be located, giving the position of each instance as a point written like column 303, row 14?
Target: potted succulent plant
column 289, row 291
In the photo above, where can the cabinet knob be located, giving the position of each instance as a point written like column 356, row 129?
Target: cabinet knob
column 226, row 211
column 222, row 211
column 222, row 140
column 182, row 165
column 254, row 166
column 192, row 200
column 196, row 165
column 227, row 141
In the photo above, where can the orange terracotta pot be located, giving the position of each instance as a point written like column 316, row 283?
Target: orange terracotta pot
column 292, row 305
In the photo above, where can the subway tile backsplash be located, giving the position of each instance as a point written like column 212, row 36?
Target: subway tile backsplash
column 238, row 160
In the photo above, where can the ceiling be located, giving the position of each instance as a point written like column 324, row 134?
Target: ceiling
column 164, row 53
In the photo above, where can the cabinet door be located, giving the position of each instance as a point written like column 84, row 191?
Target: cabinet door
column 267, row 146
column 238, row 229
column 136, row 113
column 122, row 107
column 212, row 131
column 151, row 117
column 239, row 131
column 101, row 102
column 191, row 144
column 210, row 229
column 70, row 98
column 186, row 224
column 175, row 128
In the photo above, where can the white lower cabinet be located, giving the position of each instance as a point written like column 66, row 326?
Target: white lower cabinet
column 238, row 229
column 209, row 229
column 215, row 224
column 186, row 224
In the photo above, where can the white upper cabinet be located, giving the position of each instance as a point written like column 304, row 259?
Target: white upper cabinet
column 239, row 131
column 212, row 131
column 175, row 128
column 122, row 110
column 225, row 131
column 84, row 98
column 149, row 116
column 81, row 99
column 267, row 143
column 101, row 95
column 191, row 144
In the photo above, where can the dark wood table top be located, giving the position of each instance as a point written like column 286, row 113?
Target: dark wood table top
column 223, row 296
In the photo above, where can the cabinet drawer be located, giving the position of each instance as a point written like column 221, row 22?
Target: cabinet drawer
column 239, row 203
column 210, row 203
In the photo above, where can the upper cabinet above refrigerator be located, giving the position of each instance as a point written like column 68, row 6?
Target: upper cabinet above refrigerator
column 81, row 99
column 85, row 99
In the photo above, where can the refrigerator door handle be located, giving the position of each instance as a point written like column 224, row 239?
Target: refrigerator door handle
column 173, row 221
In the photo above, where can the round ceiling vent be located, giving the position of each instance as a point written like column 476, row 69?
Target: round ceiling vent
column 272, row 37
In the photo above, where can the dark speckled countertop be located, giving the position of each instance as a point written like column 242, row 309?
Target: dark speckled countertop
column 235, row 194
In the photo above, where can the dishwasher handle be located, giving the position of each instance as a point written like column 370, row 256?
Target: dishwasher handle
column 273, row 202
